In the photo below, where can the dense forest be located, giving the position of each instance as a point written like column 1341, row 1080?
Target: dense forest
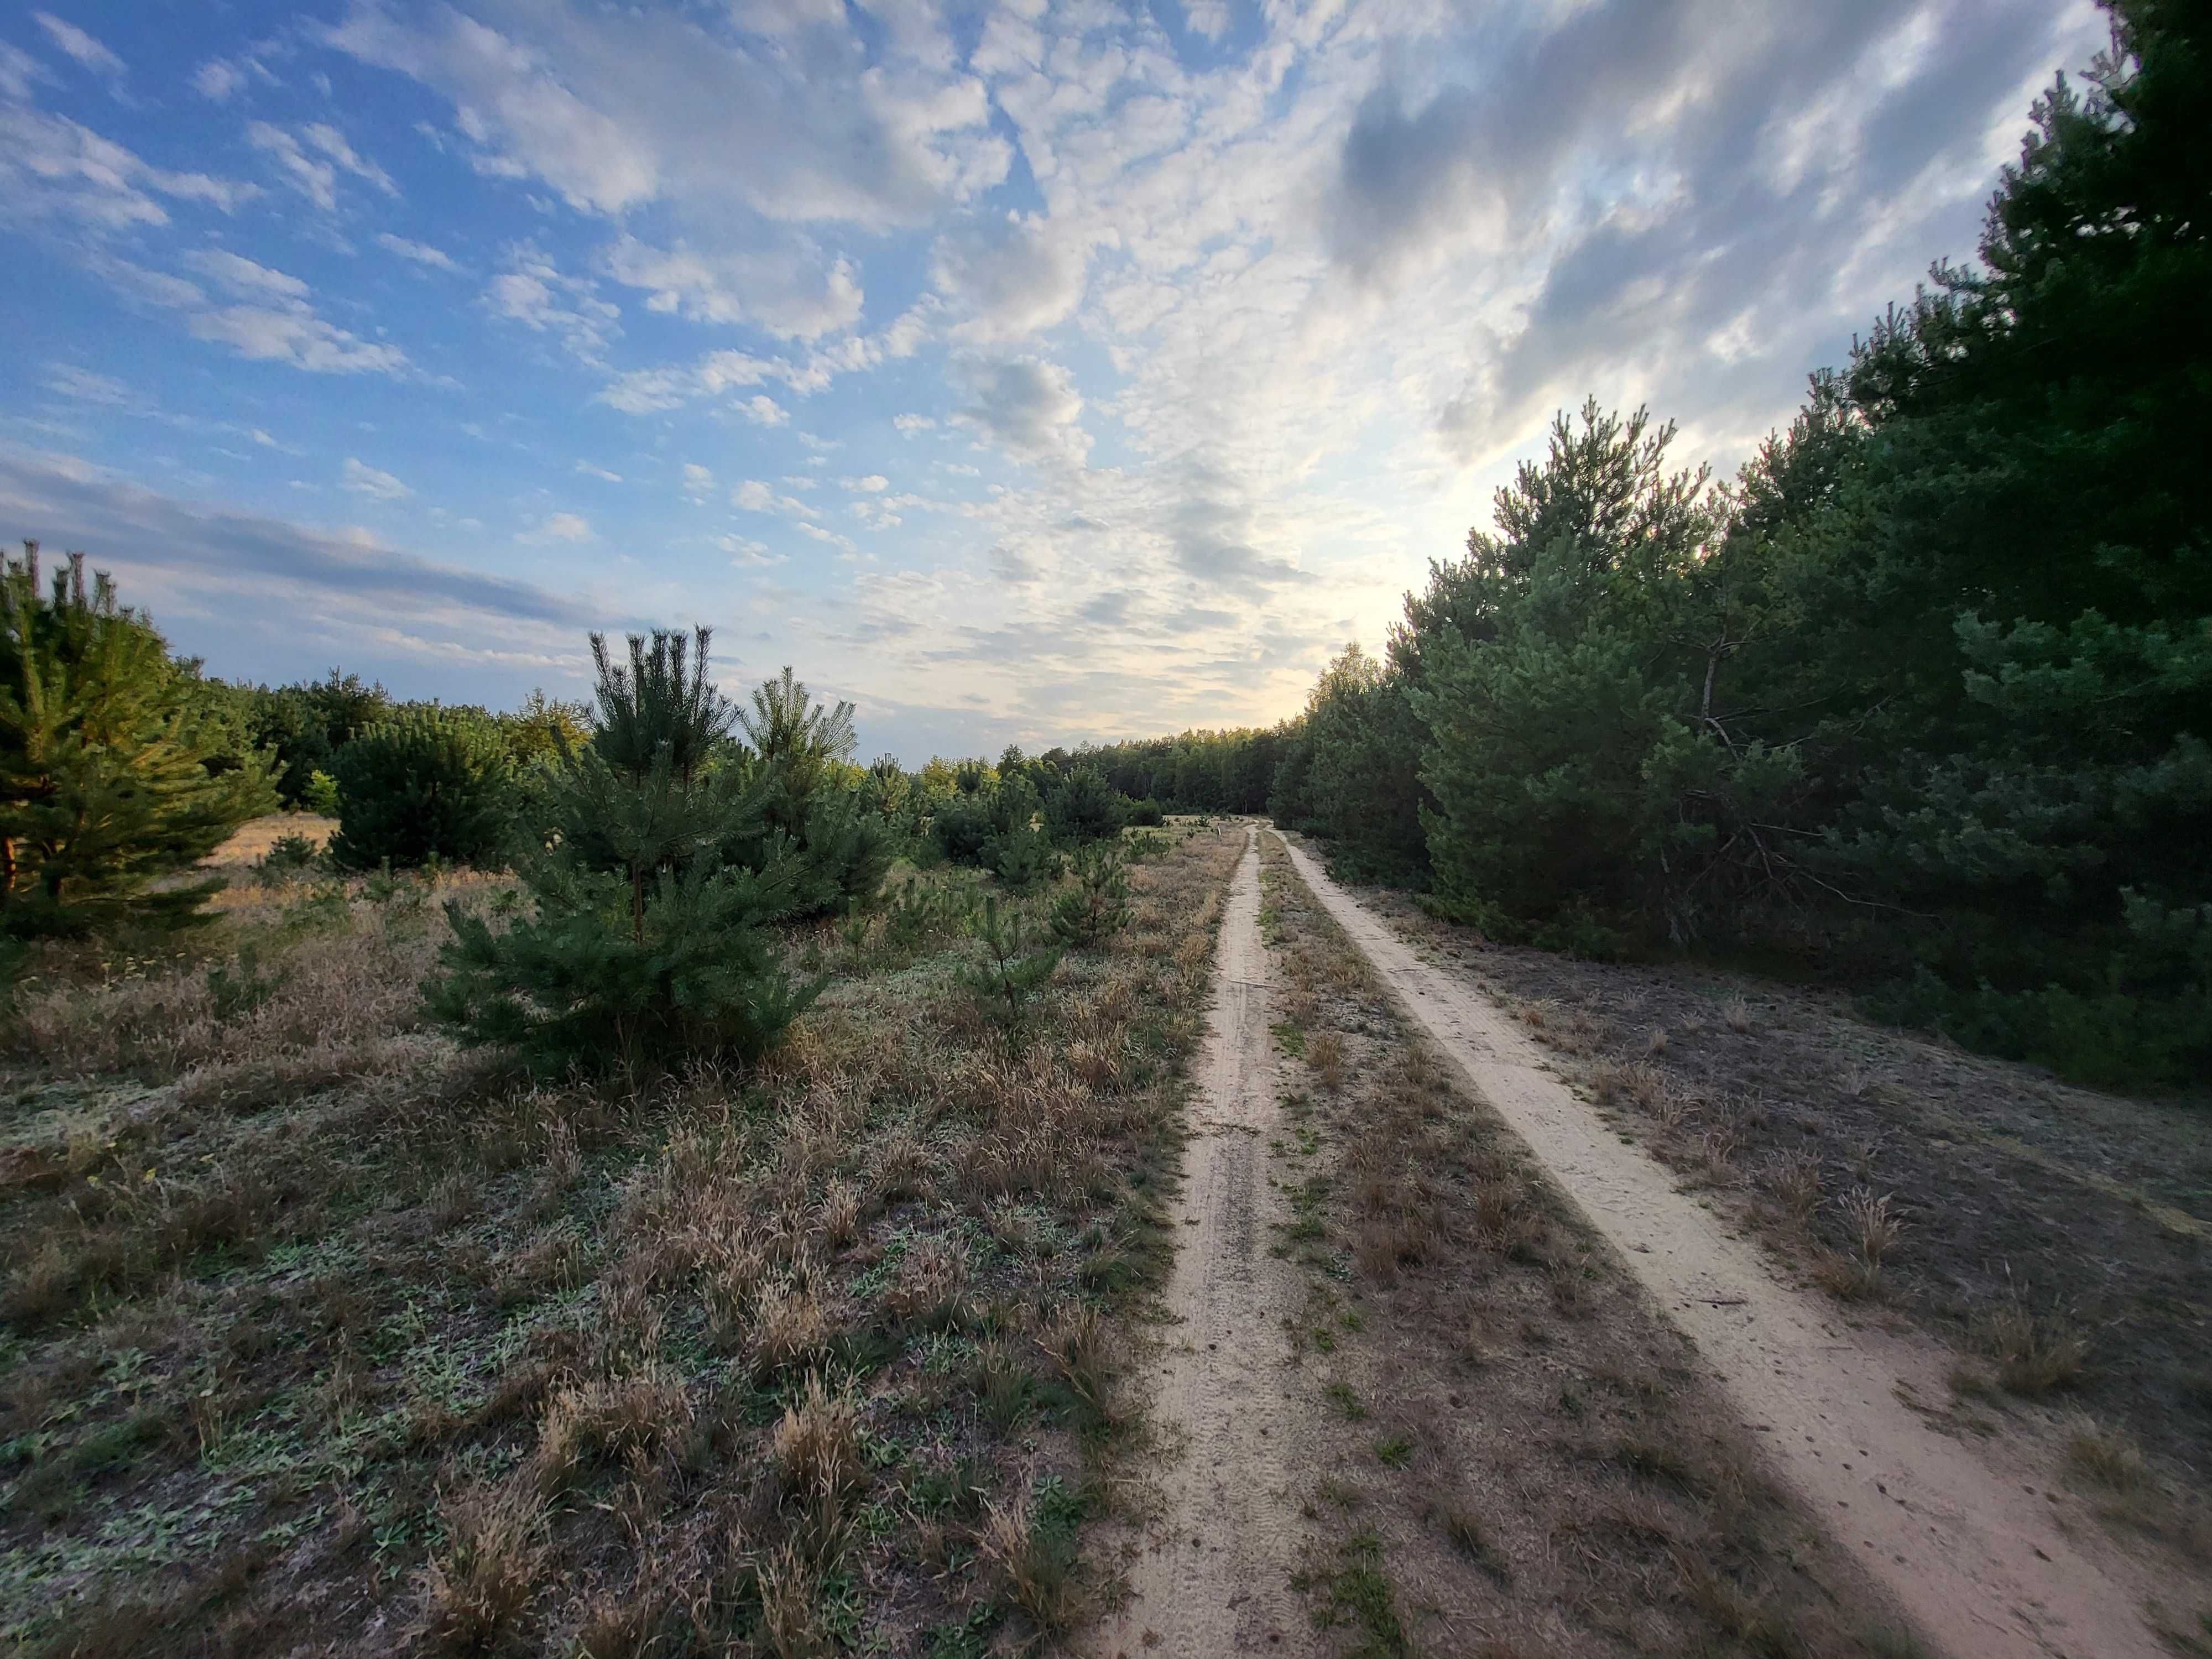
column 1917, row 702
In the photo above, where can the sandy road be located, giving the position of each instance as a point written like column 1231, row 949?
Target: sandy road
column 1213, row 1578
column 1975, row 1556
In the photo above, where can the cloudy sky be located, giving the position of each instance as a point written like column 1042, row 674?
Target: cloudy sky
column 1025, row 373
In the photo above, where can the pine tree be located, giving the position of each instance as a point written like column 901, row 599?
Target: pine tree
column 428, row 783
column 645, row 947
column 1011, row 975
column 115, row 768
column 1098, row 905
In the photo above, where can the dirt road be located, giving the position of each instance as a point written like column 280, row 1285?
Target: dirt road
column 1214, row 1576
column 1974, row 1554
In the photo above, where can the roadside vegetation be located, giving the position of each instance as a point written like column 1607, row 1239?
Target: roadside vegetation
column 322, row 1329
column 628, row 1194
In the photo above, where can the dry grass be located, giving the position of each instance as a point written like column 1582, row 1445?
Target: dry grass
column 2106, row 1458
column 2033, row 1353
column 677, row 1369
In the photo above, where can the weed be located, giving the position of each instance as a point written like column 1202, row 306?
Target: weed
column 2106, row 1457
column 1357, row 1593
column 2034, row 1353
column 1792, row 1180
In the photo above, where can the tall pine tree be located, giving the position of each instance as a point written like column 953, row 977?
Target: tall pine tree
column 116, row 764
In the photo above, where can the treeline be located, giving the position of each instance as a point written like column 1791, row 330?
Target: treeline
column 1919, row 698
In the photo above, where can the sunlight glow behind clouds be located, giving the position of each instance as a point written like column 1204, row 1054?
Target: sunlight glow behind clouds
column 1152, row 361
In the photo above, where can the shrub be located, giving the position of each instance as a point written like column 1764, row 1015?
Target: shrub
column 425, row 781
column 321, row 794
column 1146, row 814
column 645, row 947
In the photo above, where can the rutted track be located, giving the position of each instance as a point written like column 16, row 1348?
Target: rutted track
column 1214, row 1577
column 1975, row 1557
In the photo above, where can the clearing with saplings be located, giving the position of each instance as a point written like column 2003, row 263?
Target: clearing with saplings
column 1666, row 1114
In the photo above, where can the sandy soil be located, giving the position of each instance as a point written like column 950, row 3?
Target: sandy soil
column 1214, row 1576
column 1976, row 1555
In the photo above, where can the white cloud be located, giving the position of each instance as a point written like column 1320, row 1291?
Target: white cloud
column 788, row 291
column 242, row 276
column 745, row 551
column 535, row 293
column 276, row 323
column 87, row 387
column 218, row 80
column 764, row 410
column 697, row 481
column 565, row 527
column 874, row 484
column 421, row 252
column 646, row 390
column 910, row 424
column 51, row 167
column 614, row 111
column 1013, row 278
column 754, row 496
column 315, row 176
column 1207, row 17
column 295, row 336
column 1029, row 407
column 18, row 71
column 831, row 538
column 589, row 470
column 363, row 480
column 88, row 53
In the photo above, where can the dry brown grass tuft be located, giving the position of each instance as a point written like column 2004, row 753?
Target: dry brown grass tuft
column 634, row 1419
column 2034, row 1354
column 1325, row 1054
column 1874, row 1228
column 1078, row 1347
column 479, row 1587
column 1630, row 1083
column 1792, row 1180
column 817, row 1444
column 2109, row 1458
column 932, row 1273
column 1735, row 1014
column 1032, row 1569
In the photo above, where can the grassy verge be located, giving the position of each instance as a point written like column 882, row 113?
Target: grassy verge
column 1522, row 1458
column 320, row 1334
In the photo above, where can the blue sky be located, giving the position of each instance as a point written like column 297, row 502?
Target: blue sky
column 1031, row 373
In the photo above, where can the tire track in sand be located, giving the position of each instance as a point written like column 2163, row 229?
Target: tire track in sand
column 1976, row 1557
column 1214, row 1577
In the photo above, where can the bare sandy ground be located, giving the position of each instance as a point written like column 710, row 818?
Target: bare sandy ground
column 1213, row 1574
column 1974, row 1553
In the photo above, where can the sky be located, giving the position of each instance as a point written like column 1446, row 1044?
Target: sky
column 1033, row 373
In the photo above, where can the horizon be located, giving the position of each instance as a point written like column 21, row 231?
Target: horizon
column 1034, row 381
